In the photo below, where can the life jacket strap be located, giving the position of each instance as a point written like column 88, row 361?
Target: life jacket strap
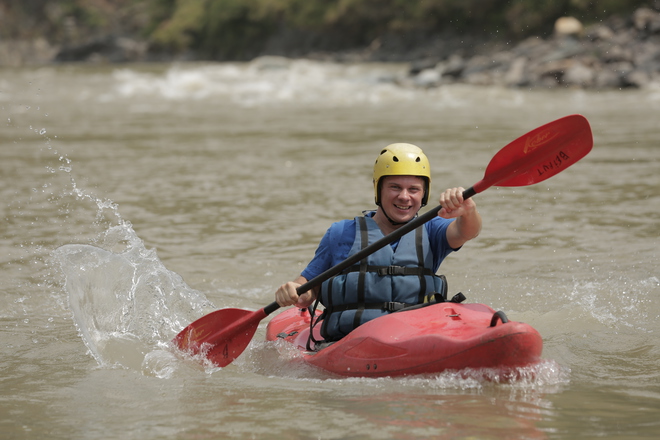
column 390, row 306
column 392, row 270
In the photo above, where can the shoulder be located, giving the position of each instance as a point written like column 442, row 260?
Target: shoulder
column 339, row 232
column 333, row 248
column 341, row 227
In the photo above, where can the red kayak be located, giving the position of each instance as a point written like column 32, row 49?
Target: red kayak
column 431, row 339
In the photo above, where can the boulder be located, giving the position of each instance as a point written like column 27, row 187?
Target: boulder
column 517, row 76
column 568, row 26
column 579, row 74
column 647, row 20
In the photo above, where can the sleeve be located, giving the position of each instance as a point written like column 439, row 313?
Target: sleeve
column 333, row 248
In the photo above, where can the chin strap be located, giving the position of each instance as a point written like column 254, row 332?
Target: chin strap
column 397, row 223
column 392, row 221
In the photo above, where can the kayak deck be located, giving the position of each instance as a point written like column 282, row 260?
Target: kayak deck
column 431, row 339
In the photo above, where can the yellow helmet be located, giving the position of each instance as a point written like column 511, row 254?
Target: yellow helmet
column 402, row 160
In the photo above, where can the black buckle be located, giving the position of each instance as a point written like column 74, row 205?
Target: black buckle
column 392, row 270
column 394, row 306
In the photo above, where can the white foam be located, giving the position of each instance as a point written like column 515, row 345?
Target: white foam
column 267, row 80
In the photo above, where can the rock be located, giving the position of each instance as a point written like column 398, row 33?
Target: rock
column 637, row 78
column 130, row 49
column 599, row 32
column 418, row 66
column 477, row 64
column 613, row 75
column 453, row 67
column 515, row 76
column 530, row 47
column 104, row 49
column 607, row 79
column 568, row 26
column 271, row 62
column 647, row 20
column 579, row 74
column 614, row 53
column 565, row 48
column 552, row 70
column 427, row 78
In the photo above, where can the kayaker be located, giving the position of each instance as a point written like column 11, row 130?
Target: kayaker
column 396, row 276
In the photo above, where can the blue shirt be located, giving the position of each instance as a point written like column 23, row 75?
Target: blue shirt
column 338, row 240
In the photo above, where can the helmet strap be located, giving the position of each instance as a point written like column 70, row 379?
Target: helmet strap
column 392, row 221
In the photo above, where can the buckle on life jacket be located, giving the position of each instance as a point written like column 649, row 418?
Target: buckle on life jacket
column 392, row 270
column 395, row 306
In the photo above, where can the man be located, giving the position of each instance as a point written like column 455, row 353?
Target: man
column 396, row 276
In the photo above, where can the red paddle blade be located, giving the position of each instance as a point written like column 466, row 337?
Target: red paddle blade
column 539, row 154
column 220, row 336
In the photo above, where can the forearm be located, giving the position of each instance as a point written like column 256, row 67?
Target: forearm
column 468, row 226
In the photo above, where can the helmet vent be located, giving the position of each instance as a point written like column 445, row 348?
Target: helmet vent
column 395, row 159
column 419, row 159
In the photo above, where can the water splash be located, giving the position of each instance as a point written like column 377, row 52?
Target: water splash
column 282, row 359
column 126, row 305
column 618, row 302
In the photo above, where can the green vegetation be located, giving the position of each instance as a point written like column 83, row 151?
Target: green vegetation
column 238, row 29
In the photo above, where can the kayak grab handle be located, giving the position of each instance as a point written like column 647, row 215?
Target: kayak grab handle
column 498, row 315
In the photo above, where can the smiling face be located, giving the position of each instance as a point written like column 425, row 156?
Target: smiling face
column 401, row 197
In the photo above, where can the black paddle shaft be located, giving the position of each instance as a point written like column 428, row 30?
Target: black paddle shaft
column 355, row 258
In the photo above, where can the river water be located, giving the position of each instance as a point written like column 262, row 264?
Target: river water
column 136, row 199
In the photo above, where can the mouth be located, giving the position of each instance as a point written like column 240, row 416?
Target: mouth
column 403, row 208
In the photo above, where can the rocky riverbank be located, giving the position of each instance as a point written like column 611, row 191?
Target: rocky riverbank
column 618, row 53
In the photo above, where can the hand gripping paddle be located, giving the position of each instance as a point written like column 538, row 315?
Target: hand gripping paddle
column 221, row 336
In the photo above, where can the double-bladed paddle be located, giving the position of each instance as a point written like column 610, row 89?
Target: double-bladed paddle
column 221, row 336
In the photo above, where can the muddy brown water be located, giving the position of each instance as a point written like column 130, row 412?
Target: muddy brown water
column 205, row 186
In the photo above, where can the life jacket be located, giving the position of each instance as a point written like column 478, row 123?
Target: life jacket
column 386, row 281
